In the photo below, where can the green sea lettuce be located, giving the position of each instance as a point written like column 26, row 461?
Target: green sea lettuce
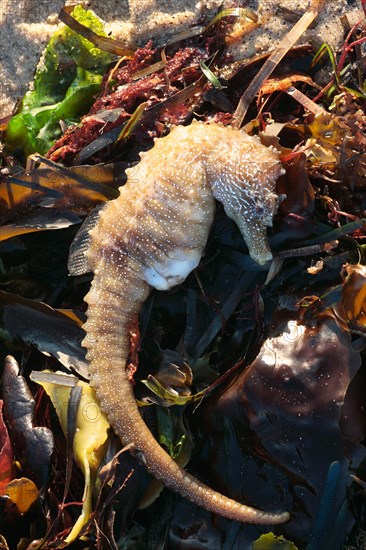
column 65, row 84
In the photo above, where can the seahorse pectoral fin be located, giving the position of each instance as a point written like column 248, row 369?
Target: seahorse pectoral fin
column 78, row 263
column 254, row 233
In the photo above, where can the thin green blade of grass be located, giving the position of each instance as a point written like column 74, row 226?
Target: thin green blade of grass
column 211, row 77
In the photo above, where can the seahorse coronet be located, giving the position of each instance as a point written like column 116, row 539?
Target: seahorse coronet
column 154, row 234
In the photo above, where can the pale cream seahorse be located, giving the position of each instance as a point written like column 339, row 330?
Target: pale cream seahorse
column 154, row 234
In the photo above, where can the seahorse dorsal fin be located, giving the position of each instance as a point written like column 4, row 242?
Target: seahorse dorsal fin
column 78, row 262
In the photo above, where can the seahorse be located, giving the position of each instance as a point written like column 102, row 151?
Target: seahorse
column 153, row 235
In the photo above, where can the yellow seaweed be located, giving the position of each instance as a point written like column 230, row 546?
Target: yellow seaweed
column 22, row 492
column 91, row 433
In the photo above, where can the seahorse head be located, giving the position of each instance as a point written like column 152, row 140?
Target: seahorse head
column 243, row 174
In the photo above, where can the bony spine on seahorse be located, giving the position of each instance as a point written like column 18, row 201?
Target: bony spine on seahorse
column 154, row 234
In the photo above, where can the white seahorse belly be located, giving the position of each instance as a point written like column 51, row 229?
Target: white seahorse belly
column 173, row 270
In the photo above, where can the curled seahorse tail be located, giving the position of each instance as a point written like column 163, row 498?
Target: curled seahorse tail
column 204, row 496
column 114, row 301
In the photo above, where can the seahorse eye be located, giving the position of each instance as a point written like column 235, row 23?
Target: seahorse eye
column 259, row 207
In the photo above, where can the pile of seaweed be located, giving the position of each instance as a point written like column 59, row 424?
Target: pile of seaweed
column 250, row 376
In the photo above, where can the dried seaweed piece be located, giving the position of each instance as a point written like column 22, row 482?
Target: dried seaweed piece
column 335, row 146
column 23, row 492
column 49, row 330
column 54, row 192
column 104, row 43
column 286, row 43
column 45, row 220
column 285, row 84
column 296, row 188
column 33, row 444
column 242, row 13
column 352, row 306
